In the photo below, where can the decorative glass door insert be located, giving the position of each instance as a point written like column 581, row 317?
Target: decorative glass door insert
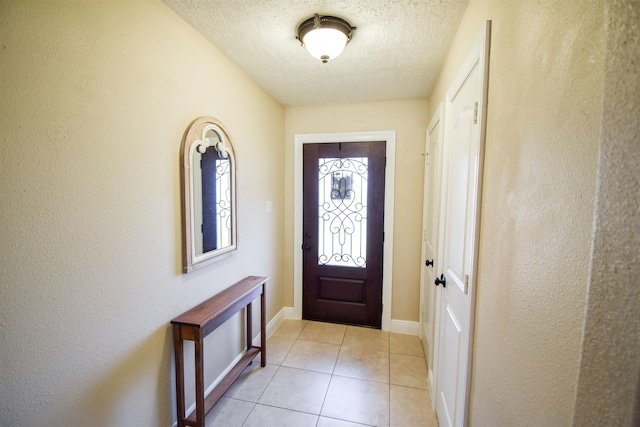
column 342, row 211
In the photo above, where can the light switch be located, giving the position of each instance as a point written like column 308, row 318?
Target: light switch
column 268, row 206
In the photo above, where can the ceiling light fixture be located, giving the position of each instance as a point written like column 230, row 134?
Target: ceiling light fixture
column 325, row 36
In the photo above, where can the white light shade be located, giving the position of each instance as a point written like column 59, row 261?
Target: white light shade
column 325, row 43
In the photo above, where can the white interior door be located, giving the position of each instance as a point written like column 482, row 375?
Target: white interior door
column 463, row 152
column 430, row 215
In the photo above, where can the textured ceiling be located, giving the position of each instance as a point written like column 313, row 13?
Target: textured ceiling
column 396, row 51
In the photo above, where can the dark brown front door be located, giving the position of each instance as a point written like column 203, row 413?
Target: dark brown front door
column 343, row 218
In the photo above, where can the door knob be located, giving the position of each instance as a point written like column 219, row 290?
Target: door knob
column 442, row 280
column 429, row 262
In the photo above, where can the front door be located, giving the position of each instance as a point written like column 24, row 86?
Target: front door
column 343, row 217
column 459, row 232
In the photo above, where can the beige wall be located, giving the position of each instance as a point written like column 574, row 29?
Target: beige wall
column 543, row 118
column 609, row 382
column 409, row 118
column 95, row 99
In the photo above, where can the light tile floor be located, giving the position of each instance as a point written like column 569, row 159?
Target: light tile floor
column 327, row 375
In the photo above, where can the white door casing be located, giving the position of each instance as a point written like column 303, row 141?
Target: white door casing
column 430, row 220
column 463, row 152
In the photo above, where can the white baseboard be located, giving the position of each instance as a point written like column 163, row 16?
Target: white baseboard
column 405, row 327
column 272, row 325
column 290, row 313
column 397, row 326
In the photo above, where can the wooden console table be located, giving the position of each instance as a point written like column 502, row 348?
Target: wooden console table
column 199, row 322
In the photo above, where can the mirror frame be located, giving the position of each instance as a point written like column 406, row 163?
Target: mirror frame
column 194, row 137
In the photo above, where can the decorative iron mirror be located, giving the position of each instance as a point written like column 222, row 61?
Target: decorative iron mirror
column 209, row 214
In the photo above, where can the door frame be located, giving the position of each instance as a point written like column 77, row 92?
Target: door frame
column 436, row 120
column 346, row 137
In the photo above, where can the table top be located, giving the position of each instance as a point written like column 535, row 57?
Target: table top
column 218, row 304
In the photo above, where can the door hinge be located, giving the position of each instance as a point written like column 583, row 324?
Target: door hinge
column 475, row 113
column 466, row 284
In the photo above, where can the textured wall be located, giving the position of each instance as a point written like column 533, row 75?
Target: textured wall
column 95, row 99
column 543, row 120
column 609, row 381
column 409, row 118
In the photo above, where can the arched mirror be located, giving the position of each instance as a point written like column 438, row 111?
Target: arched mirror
column 209, row 214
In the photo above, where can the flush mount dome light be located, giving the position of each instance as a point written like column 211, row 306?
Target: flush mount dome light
column 325, row 36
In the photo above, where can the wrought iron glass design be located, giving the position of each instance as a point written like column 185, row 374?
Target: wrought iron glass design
column 223, row 202
column 214, row 216
column 342, row 210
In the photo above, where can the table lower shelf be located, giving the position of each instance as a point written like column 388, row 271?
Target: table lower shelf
column 218, row 391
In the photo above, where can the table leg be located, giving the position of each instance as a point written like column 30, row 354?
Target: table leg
column 249, row 326
column 199, row 362
column 179, row 362
column 263, row 329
